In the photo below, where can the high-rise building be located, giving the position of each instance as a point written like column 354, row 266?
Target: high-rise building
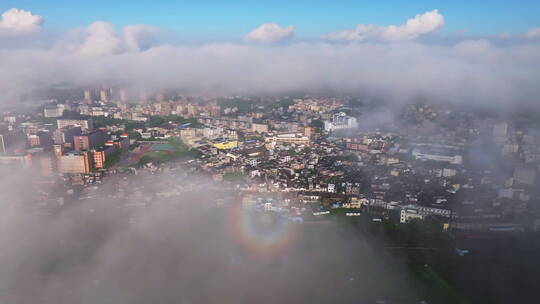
column 43, row 162
column 179, row 110
column 89, row 141
column 340, row 121
column 105, row 94
column 65, row 135
column 308, row 131
column 23, row 161
column 12, row 142
column 500, row 130
column 47, row 165
column 75, row 162
column 123, row 95
column 88, row 96
column 99, row 157
column 214, row 110
column 54, row 110
column 259, row 128
column 192, row 110
column 42, row 138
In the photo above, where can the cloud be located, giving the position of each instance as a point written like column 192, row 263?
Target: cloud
column 139, row 36
column 15, row 22
column 533, row 33
column 481, row 47
column 164, row 241
column 270, row 32
column 419, row 25
column 472, row 71
column 101, row 38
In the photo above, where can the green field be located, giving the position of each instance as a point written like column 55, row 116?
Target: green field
column 433, row 287
column 157, row 154
column 177, row 149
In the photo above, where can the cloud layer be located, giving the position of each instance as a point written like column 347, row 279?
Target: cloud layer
column 182, row 249
column 270, row 32
column 101, row 38
column 419, row 25
column 478, row 71
column 533, row 33
column 469, row 72
column 16, row 22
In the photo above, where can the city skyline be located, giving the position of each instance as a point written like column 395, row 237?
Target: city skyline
column 269, row 152
column 336, row 185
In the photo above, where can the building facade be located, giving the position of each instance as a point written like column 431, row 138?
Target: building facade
column 75, row 163
column 85, row 124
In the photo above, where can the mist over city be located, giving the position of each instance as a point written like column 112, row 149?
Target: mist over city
column 241, row 152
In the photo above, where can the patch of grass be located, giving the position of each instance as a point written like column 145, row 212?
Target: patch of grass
column 181, row 150
column 434, row 288
column 233, row 176
column 157, row 154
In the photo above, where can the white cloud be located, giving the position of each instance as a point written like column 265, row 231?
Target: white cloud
column 270, row 32
column 15, row 22
column 472, row 71
column 139, row 36
column 479, row 70
column 468, row 47
column 419, row 25
column 101, row 38
column 533, row 33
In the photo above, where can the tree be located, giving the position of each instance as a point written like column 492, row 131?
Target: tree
column 317, row 124
column 155, row 121
column 351, row 157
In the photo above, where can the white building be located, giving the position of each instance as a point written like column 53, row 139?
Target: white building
column 411, row 212
column 331, row 188
column 290, row 138
column 437, row 155
column 54, row 110
column 406, row 215
column 85, row 124
column 340, row 121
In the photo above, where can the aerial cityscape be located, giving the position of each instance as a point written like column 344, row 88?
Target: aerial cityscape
column 202, row 159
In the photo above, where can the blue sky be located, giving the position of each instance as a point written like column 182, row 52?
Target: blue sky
column 311, row 18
